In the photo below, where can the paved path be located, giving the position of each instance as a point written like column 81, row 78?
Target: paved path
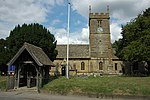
column 36, row 96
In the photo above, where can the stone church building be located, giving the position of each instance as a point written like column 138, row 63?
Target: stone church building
column 97, row 57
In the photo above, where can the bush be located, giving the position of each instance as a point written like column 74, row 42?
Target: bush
column 2, row 83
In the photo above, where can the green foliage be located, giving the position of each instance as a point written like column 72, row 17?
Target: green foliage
column 33, row 33
column 103, row 85
column 135, row 45
column 2, row 83
column 4, row 56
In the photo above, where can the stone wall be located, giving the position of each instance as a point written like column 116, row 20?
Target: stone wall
column 91, row 66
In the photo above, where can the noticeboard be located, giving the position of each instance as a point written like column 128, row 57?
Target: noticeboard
column 11, row 68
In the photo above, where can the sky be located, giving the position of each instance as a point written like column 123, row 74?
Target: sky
column 53, row 14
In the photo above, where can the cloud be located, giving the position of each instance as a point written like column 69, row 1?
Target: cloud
column 40, row 11
column 4, row 29
column 121, row 10
column 60, row 34
column 74, row 38
column 118, row 8
column 85, row 35
column 24, row 11
column 82, row 37
column 116, row 30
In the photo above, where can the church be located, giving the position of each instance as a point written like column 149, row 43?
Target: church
column 96, row 58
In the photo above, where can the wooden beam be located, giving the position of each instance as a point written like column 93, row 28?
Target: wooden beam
column 28, row 62
column 19, row 69
column 16, row 73
column 37, row 80
column 41, row 76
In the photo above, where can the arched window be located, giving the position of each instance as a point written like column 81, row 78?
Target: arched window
column 115, row 66
column 82, row 66
column 100, row 66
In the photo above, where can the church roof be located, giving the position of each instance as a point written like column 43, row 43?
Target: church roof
column 36, row 53
column 75, row 51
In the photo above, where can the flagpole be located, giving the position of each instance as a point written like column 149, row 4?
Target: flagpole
column 67, row 67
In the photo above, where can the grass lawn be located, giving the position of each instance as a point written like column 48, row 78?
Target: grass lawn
column 103, row 85
column 2, row 83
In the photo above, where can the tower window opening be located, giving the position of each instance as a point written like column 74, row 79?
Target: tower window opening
column 99, row 23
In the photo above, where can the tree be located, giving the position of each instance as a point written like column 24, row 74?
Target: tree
column 134, row 44
column 3, row 51
column 33, row 33
column 4, row 57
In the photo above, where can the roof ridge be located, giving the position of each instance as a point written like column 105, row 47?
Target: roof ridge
column 36, row 53
column 28, row 44
column 73, row 44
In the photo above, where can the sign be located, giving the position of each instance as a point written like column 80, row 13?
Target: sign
column 11, row 68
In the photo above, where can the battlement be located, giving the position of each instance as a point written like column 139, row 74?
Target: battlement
column 99, row 15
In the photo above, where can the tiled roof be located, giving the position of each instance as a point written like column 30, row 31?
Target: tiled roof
column 75, row 51
column 36, row 52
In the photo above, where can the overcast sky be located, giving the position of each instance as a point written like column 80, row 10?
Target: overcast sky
column 53, row 15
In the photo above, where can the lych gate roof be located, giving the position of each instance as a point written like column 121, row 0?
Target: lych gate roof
column 75, row 51
column 36, row 53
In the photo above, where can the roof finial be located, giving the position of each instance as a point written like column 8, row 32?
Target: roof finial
column 107, row 8
column 89, row 8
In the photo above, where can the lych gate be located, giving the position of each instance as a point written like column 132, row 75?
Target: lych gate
column 28, row 75
column 29, row 67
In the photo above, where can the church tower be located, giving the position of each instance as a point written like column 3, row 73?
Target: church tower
column 99, row 28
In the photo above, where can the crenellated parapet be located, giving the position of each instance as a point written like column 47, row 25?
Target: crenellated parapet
column 99, row 15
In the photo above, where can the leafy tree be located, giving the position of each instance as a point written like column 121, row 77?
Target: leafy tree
column 135, row 42
column 33, row 33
